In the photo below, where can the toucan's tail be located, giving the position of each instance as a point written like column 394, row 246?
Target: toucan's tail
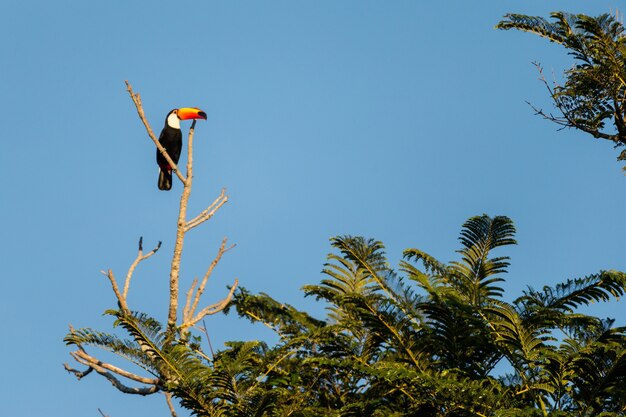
column 165, row 179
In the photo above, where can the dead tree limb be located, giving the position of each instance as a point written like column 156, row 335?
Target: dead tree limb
column 111, row 378
column 208, row 212
column 212, row 309
column 140, row 257
column 120, row 299
column 137, row 100
column 190, row 310
column 78, row 374
column 168, row 399
column 81, row 356
column 180, row 235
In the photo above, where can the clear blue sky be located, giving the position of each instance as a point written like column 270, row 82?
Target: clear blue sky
column 393, row 120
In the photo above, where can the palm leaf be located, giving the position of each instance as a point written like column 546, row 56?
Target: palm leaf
column 473, row 276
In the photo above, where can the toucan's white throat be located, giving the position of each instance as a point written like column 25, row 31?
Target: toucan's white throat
column 173, row 121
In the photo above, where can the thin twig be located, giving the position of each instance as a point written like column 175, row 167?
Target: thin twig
column 137, row 100
column 79, row 374
column 116, row 290
column 168, row 399
column 188, row 299
column 140, row 257
column 208, row 339
column 103, row 415
column 263, row 322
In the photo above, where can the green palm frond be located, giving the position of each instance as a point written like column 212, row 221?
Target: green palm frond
column 369, row 256
column 600, row 376
column 146, row 332
column 594, row 87
column 473, row 277
column 433, row 279
column 142, row 324
column 240, row 358
column 431, row 265
column 388, row 326
column 284, row 318
column 568, row 296
column 256, row 404
column 559, row 32
column 345, row 276
column 523, row 344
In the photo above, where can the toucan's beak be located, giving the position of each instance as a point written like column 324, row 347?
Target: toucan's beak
column 187, row 113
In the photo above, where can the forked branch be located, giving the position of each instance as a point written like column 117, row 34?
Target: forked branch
column 208, row 212
column 108, row 371
column 83, row 357
column 140, row 257
column 190, row 308
column 121, row 296
column 212, row 309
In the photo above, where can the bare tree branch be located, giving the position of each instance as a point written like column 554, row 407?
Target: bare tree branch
column 140, row 257
column 212, row 309
column 93, row 362
column 188, row 299
column 180, row 234
column 209, row 212
column 121, row 300
column 208, row 339
column 189, row 312
column 137, row 100
column 116, row 382
column 168, row 399
column 78, row 374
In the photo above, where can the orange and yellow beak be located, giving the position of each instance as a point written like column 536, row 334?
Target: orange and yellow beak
column 186, row 113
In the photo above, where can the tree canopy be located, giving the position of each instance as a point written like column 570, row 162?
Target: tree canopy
column 593, row 97
column 427, row 339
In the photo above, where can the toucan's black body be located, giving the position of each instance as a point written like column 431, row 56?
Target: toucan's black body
column 172, row 140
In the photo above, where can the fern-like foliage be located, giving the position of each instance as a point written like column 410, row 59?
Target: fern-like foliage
column 555, row 307
column 593, row 92
column 420, row 341
column 474, row 276
column 345, row 276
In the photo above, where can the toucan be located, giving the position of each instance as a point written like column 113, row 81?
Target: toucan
column 171, row 139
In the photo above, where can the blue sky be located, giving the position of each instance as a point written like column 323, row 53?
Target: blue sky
column 393, row 120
